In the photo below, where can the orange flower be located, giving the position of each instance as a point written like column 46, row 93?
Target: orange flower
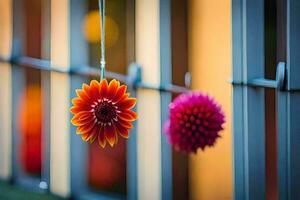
column 103, row 111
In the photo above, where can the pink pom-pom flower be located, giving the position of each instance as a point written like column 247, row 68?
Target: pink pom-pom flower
column 195, row 121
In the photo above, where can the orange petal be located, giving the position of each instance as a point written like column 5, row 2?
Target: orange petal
column 94, row 134
column 82, row 115
column 110, row 134
column 74, row 109
column 92, row 139
column 125, row 124
column 127, row 103
column 81, row 104
column 103, row 88
column 77, row 101
column 77, row 109
column 132, row 113
column 94, row 84
column 82, row 94
column 120, row 93
column 101, row 138
column 86, row 88
column 94, row 89
column 86, row 128
column 112, row 88
column 85, row 136
column 126, row 116
column 80, row 122
column 122, row 131
column 125, row 96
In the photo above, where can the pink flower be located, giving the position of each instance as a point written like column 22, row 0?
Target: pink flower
column 195, row 121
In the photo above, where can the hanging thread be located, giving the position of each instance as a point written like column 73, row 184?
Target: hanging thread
column 102, row 37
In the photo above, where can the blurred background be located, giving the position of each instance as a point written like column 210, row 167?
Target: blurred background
column 53, row 47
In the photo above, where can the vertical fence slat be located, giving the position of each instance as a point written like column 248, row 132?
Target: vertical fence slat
column 249, row 127
column 148, row 106
column 288, row 109
column 6, row 84
column 60, row 99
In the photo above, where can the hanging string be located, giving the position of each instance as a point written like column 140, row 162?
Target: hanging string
column 102, row 37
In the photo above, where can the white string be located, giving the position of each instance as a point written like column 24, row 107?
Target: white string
column 102, row 38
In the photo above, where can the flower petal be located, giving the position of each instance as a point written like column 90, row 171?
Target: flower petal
column 94, row 84
column 110, row 134
column 86, row 88
column 93, row 138
column 85, row 136
column 86, row 128
column 101, row 138
column 103, row 88
column 82, row 115
column 75, row 109
column 125, row 96
column 112, row 88
column 94, row 89
column 132, row 113
column 127, row 103
column 82, row 94
column 89, row 92
column 124, row 123
column 126, row 116
column 120, row 93
column 81, row 104
column 94, row 134
column 124, row 132
column 78, row 102
column 80, row 122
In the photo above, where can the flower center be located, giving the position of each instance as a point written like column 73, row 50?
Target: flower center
column 105, row 111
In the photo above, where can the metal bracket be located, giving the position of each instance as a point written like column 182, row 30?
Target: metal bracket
column 281, row 75
column 134, row 79
column 134, row 75
column 279, row 83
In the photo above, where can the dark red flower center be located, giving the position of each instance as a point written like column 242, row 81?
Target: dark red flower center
column 105, row 111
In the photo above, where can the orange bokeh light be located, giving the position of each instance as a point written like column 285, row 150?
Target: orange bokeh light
column 30, row 127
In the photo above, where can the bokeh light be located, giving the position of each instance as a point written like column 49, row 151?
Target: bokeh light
column 91, row 29
column 30, row 127
column 107, row 167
